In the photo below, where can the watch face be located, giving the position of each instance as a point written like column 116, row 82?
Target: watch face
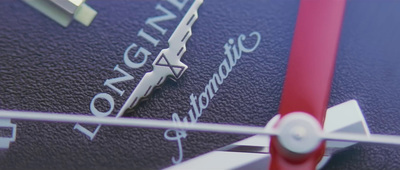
column 236, row 53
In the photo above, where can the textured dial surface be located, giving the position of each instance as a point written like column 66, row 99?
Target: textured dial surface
column 46, row 67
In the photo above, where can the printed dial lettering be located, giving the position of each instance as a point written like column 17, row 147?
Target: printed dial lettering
column 167, row 62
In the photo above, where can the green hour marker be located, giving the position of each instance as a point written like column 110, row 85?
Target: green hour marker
column 64, row 11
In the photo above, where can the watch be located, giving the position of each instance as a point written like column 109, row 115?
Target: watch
column 229, row 67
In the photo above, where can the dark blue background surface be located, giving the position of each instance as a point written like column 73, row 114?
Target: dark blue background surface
column 45, row 67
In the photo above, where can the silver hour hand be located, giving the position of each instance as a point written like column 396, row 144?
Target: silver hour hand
column 167, row 63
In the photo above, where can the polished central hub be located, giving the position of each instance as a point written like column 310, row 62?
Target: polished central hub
column 299, row 132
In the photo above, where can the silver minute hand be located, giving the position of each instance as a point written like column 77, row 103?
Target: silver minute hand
column 167, row 63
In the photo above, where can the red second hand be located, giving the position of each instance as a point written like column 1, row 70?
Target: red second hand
column 309, row 74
